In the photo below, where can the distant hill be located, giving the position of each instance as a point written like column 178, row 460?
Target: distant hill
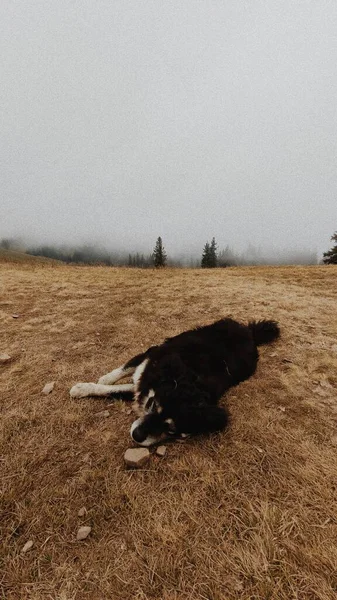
column 17, row 257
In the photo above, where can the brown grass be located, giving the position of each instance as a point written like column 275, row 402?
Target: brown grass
column 247, row 514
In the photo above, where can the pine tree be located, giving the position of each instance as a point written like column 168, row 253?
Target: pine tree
column 209, row 258
column 330, row 257
column 205, row 260
column 159, row 254
column 213, row 254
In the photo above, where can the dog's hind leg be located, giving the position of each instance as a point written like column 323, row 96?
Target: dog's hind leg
column 127, row 369
column 83, row 390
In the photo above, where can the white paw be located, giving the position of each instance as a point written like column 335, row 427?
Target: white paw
column 105, row 380
column 81, row 390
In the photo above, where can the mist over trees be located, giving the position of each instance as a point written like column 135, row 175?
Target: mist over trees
column 210, row 256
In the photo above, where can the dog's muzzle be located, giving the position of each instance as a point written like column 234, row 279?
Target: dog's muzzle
column 141, row 432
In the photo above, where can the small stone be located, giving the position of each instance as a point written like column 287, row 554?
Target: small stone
column 161, row 451
column 259, row 450
column 28, row 545
column 325, row 384
column 282, row 408
column 129, row 411
column 4, row 357
column 273, row 354
column 136, row 457
column 103, row 414
column 83, row 532
column 48, row 388
column 82, row 512
column 15, row 316
column 320, row 391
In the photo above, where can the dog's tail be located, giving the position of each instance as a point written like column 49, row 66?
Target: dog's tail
column 264, row 332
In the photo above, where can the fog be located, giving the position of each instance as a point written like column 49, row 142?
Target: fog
column 122, row 121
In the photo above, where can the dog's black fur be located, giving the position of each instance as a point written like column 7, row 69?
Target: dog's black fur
column 190, row 372
column 177, row 385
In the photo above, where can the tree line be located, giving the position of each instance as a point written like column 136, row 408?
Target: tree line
column 210, row 257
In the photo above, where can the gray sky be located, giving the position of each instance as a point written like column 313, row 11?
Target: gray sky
column 122, row 120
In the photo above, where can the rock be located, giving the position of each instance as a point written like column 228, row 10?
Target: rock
column 273, row 354
column 15, row 316
column 87, row 458
column 325, row 384
column 161, row 451
column 28, row 545
column 48, row 388
column 136, row 457
column 83, row 532
column 320, row 391
column 82, row 512
column 103, row 414
column 282, row 408
column 4, row 357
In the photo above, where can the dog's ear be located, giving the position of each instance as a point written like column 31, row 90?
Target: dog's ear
column 202, row 418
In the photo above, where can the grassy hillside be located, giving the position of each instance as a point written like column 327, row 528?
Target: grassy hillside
column 21, row 258
column 249, row 514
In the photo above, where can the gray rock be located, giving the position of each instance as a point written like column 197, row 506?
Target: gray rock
column 28, row 545
column 161, row 451
column 48, row 388
column 103, row 414
column 83, row 532
column 4, row 358
column 136, row 457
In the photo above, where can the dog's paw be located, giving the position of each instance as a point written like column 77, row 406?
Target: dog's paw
column 105, row 380
column 82, row 390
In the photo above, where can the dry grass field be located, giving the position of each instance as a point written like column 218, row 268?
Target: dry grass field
column 249, row 514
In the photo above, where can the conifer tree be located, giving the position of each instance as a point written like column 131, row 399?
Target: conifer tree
column 209, row 258
column 205, row 260
column 159, row 254
column 330, row 257
column 213, row 254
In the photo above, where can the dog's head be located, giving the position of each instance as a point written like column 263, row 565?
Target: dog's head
column 177, row 405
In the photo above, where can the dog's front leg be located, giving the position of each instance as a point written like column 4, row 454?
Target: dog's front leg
column 83, row 390
column 127, row 369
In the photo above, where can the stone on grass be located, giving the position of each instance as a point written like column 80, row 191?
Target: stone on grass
column 83, row 532
column 82, row 512
column 28, row 545
column 15, row 316
column 161, row 450
column 48, row 387
column 4, row 357
column 103, row 414
column 136, row 457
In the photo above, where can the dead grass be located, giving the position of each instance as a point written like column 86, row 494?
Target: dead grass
column 249, row 514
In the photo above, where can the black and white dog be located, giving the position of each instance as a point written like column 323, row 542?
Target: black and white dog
column 177, row 385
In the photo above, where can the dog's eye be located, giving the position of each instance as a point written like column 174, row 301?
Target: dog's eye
column 171, row 428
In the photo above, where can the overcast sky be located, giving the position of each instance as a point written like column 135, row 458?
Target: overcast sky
column 122, row 120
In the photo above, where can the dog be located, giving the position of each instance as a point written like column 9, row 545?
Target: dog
column 177, row 385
